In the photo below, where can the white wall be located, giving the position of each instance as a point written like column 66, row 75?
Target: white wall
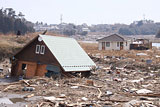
column 127, row 47
column 100, row 45
column 113, row 46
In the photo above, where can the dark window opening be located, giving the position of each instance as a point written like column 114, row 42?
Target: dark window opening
column 107, row 44
column 24, row 66
column 42, row 49
column 37, row 49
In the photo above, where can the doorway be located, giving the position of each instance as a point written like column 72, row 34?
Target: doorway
column 24, row 68
column 121, row 45
column 103, row 45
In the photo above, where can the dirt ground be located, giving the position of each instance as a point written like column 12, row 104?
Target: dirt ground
column 121, row 79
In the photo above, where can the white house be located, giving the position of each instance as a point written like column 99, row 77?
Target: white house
column 114, row 42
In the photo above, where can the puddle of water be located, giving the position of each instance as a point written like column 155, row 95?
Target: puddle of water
column 5, row 101
column 7, row 80
column 15, row 100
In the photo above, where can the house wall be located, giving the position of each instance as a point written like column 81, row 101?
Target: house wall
column 36, row 63
column 28, row 54
column 127, row 47
column 113, row 46
column 32, row 69
column 41, row 70
column 100, row 45
column 29, row 72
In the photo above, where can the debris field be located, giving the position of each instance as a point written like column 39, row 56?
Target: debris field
column 121, row 79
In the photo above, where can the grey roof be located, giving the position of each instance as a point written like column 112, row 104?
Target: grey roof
column 114, row 37
column 69, row 53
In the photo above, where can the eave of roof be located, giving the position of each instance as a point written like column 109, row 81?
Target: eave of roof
column 123, row 37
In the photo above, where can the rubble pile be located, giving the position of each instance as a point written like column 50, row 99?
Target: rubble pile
column 121, row 79
column 104, row 87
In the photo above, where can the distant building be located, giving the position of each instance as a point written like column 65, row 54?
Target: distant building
column 141, row 44
column 85, row 30
column 114, row 42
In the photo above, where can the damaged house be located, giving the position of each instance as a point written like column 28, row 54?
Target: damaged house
column 114, row 42
column 46, row 55
column 141, row 44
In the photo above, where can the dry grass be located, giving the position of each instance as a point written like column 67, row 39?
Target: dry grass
column 14, row 41
column 10, row 43
column 89, row 47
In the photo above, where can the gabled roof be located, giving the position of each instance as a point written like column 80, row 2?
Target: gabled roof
column 68, row 53
column 114, row 37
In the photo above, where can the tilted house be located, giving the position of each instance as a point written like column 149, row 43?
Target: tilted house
column 114, row 42
column 50, row 54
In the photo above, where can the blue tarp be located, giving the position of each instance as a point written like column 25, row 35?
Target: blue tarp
column 52, row 70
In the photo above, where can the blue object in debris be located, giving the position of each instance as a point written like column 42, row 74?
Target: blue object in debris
column 52, row 70
column 28, row 89
column 148, row 61
column 20, row 77
column 7, row 76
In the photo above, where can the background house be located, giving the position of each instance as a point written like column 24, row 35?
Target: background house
column 52, row 55
column 141, row 44
column 114, row 42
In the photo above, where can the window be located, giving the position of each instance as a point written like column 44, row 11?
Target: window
column 42, row 49
column 24, row 68
column 37, row 49
column 107, row 44
column 117, row 44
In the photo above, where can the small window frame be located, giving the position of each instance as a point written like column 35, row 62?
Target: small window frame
column 42, row 49
column 37, row 51
column 107, row 44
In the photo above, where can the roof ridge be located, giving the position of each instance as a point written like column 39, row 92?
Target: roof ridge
column 55, row 36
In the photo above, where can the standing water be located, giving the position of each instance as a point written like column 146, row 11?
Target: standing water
column 156, row 45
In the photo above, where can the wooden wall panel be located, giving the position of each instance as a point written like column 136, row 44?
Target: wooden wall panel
column 41, row 70
column 14, row 68
column 19, row 72
column 28, row 54
column 31, row 70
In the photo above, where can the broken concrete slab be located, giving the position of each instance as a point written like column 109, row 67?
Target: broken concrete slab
column 144, row 91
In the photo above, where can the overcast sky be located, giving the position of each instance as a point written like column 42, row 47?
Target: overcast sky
column 86, row 11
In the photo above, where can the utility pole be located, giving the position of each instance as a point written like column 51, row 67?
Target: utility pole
column 61, row 21
column 144, row 17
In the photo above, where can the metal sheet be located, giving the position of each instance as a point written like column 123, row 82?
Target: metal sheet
column 69, row 53
column 52, row 68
